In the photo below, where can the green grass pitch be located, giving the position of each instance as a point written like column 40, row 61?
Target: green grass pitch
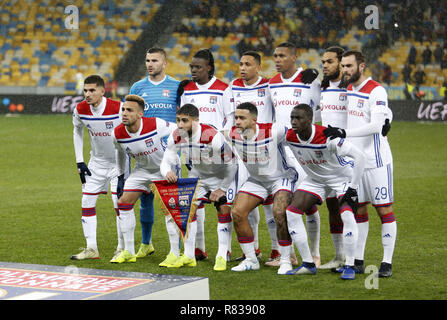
column 40, row 214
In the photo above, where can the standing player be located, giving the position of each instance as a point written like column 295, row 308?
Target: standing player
column 215, row 103
column 100, row 116
column 333, row 106
column 327, row 171
column 260, row 146
column 159, row 92
column 211, row 158
column 290, row 87
column 142, row 139
column 251, row 87
column 367, row 112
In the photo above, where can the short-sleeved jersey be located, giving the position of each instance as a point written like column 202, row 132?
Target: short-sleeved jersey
column 258, row 93
column 161, row 98
column 287, row 93
column 263, row 155
column 214, row 101
column 146, row 146
column 321, row 157
column 333, row 104
column 206, row 151
column 368, row 98
column 100, row 122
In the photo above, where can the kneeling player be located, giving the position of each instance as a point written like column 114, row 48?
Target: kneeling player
column 260, row 146
column 211, row 158
column 141, row 138
column 322, row 159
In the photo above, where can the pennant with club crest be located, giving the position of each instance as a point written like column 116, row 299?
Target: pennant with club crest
column 178, row 200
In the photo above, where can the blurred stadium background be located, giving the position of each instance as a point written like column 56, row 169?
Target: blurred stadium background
column 40, row 55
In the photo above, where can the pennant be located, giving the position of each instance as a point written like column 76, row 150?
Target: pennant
column 178, row 200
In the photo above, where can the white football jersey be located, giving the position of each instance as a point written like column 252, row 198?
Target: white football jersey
column 322, row 159
column 333, row 104
column 258, row 93
column 214, row 101
column 146, row 146
column 207, row 152
column 100, row 123
column 264, row 155
column 287, row 93
column 368, row 98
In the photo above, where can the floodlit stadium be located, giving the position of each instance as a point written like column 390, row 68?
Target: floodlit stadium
column 48, row 48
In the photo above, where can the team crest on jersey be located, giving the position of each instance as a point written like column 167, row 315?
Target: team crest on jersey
column 360, row 103
column 149, row 142
column 166, row 93
column 261, row 92
column 213, row 99
column 343, row 97
column 297, row 93
column 109, row 125
column 319, row 154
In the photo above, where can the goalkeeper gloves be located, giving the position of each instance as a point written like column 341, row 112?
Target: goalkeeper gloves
column 351, row 198
column 309, row 75
column 83, row 170
column 333, row 132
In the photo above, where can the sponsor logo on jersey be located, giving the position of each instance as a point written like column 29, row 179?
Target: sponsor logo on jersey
column 207, row 109
column 333, row 107
column 381, row 103
column 356, row 113
column 311, row 161
column 99, row 134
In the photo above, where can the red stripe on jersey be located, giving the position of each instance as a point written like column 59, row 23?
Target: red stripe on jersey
column 112, row 107
column 234, row 135
column 191, row 86
column 292, row 136
column 121, row 133
column 369, row 86
column 208, row 134
column 149, row 125
column 239, row 82
column 84, row 108
column 265, row 131
column 218, row 85
column 278, row 79
column 319, row 137
column 263, row 81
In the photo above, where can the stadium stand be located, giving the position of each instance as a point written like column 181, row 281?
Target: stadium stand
column 37, row 50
